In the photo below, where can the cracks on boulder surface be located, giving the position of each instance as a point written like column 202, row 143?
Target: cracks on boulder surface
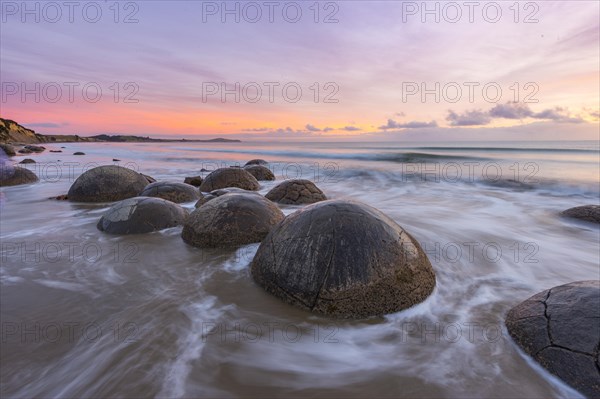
column 328, row 269
column 547, row 317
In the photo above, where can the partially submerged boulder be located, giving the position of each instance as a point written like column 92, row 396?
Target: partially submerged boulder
column 296, row 192
column 256, row 162
column 343, row 259
column 14, row 175
column 204, row 198
column 107, row 183
column 195, row 181
column 141, row 215
column 231, row 220
column 229, row 177
column 172, row 191
column 260, row 172
column 8, row 149
column 560, row 329
column 588, row 213
column 27, row 160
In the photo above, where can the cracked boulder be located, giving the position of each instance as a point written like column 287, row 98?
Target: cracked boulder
column 588, row 213
column 107, row 183
column 141, row 215
column 296, row 192
column 343, row 259
column 229, row 177
column 230, row 220
column 560, row 329
column 14, row 176
column 171, row 191
column 260, row 172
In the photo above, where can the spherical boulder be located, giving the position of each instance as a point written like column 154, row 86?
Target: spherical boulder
column 256, row 162
column 296, row 192
column 560, row 329
column 171, row 191
column 229, row 177
column 27, row 160
column 260, row 172
column 141, row 215
column 107, row 183
column 230, row 220
column 14, row 175
column 343, row 259
column 588, row 213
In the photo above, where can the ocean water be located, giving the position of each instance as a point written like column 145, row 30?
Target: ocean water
column 85, row 314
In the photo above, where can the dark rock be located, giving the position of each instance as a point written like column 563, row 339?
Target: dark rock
column 256, row 162
column 229, row 177
column 35, row 148
column 14, row 176
column 116, row 160
column 343, row 259
column 175, row 192
column 55, row 150
column 141, row 215
column 260, row 172
column 204, row 170
column 150, row 179
column 222, row 191
column 24, row 151
column 195, row 181
column 560, row 329
column 62, row 197
column 107, row 183
column 27, row 160
column 588, row 213
column 230, row 220
column 8, row 149
column 79, row 153
column 296, row 192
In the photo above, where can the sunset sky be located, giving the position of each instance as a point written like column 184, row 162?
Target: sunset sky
column 175, row 58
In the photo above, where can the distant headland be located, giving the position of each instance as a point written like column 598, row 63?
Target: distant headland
column 12, row 132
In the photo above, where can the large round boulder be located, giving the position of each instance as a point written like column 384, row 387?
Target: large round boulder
column 560, row 329
column 107, row 183
column 343, row 259
column 230, row 220
column 588, row 213
column 141, row 215
column 256, row 162
column 229, row 177
column 14, row 175
column 171, row 191
column 296, row 192
column 260, row 172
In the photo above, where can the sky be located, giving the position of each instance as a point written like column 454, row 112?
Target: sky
column 305, row 70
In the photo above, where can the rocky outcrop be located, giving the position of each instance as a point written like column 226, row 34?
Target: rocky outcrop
column 560, row 329
column 12, row 132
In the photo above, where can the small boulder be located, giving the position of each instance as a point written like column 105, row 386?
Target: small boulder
column 79, row 153
column 260, row 172
column 14, row 176
column 141, row 215
column 175, row 192
column 35, row 148
column 343, row 259
column 8, row 149
column 560, row 329
column 229, row 177
column 231, row 220
column 256, row 162
column 116, row 160
column 24, row 151
column 27, row 160
column 296, row 192
column 107, row 183
column 588, row 213
column 55, row 150
column 222, row 191
column 195, row 181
